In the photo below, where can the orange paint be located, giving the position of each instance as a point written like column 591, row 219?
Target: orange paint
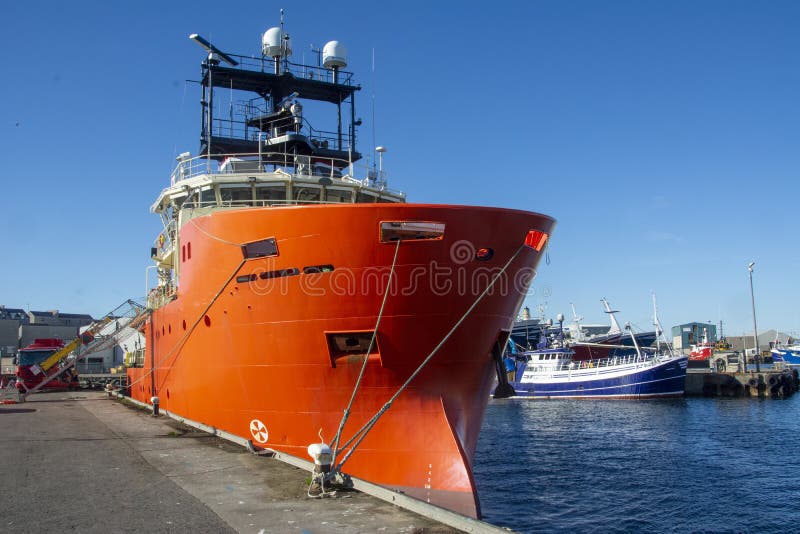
column 260, row 350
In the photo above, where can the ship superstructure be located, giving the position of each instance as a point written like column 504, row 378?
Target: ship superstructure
column 296, row 301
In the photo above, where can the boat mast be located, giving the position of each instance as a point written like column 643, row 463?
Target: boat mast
column 615, row 329
column 633, row 337
column 660, row 330
column 576, row 319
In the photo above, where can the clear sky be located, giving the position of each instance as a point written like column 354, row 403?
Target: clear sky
column 663, row 135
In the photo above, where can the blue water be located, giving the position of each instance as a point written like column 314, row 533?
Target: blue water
column 687, row 465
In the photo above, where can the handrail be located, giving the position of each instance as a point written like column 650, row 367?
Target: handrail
column 317, row 167
column 267, row 65
column 646, row 359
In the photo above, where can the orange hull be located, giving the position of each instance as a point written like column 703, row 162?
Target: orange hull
column 229, row 350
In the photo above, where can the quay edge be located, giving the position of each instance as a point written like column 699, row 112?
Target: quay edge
column 769, row 383
column 447, row 518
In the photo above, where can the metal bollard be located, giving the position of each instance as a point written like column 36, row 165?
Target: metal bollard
column 154, row 400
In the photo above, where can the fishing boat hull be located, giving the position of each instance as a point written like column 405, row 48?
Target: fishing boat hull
column 259, row 347
column 637, row 380
column 789, row 357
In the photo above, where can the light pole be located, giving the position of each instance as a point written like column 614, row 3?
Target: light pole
column 756, row 355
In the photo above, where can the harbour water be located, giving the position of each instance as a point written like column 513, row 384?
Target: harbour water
column 685, row 465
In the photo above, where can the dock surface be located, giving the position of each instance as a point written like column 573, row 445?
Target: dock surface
column 84, row 462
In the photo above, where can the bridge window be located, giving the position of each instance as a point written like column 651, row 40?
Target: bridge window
column 271, row 194
column 305, row 194
column 338, row 195
column 207, row 197
column 362, row 197
column 236, row 196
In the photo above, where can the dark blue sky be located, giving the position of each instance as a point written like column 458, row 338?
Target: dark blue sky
column 663, row 136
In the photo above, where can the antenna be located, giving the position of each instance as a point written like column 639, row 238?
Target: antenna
column 373, row 103
column 211, row 49
column 575, row 317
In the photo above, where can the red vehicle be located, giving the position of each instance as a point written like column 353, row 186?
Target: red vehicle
column 29, row 372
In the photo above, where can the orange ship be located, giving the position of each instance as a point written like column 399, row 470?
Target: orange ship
column 296, row 301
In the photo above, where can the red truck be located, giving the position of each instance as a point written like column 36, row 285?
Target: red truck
column 29, row 372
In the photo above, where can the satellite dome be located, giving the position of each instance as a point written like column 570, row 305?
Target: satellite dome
column 272, row 44
column 334, row 54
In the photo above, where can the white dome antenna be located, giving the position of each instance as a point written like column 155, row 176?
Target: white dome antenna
column 275, row 43
column 334, row 57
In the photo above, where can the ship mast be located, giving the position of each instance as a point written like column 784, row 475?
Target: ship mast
column 266, row 122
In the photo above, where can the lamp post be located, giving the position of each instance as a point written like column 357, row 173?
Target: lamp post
column 756, row 355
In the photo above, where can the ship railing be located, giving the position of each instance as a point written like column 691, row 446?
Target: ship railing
column 165, row 240
column 161, row 295
column 645, row 358
column 293, row 166
column 240, row 129
column 278, row 202
column 301, row 70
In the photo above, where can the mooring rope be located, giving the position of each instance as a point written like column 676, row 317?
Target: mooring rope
column 346, row 413
column 359, row 436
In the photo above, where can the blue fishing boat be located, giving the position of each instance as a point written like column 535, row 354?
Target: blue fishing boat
column 551, row 372
column 788, row 354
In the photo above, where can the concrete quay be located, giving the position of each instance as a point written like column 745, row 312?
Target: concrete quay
column 88, row 463
column 769, row 383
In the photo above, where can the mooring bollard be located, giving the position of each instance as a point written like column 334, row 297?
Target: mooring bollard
column 154, row 400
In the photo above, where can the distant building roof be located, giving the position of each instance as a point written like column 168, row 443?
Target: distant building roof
column 12, row 313
column 56, row 313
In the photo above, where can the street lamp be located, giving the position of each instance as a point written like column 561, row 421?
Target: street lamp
column 756, row 355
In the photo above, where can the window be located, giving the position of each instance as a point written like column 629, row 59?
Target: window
column 410, row 230
column 271, row 194
column 260, row 249
column 236, row 196
column 31, row 357
column 338, row 195
column 364, row 197
column 307, row 194
column 207, row 197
